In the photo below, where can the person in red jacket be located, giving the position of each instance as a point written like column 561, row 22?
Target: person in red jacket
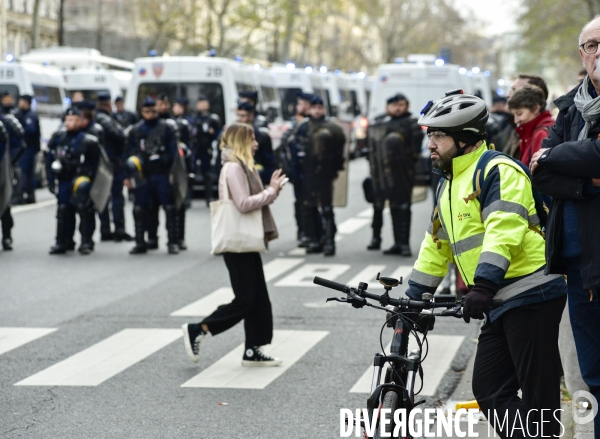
column 528, row 106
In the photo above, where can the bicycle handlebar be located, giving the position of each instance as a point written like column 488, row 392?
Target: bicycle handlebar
column 358, row 296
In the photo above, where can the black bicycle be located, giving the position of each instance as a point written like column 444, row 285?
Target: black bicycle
column 407, row 317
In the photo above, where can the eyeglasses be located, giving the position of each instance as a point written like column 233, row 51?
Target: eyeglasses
column 589, row 47
column 436, row 137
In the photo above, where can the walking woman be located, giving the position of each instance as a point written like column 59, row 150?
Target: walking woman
column 251, row 303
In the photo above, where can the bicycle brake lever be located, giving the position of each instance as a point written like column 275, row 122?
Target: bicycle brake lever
column 337, row 299
column 454, row 312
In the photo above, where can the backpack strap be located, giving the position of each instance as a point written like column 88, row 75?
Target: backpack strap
column 435, row 219
column 479, row 177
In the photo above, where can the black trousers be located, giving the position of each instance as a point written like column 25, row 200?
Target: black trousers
column 520, row 351
column 251, row 302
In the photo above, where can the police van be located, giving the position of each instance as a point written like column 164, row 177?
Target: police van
column 72, row 58
column 353, row 107
column 219, row 79
column 45, row 84
column 90, row 82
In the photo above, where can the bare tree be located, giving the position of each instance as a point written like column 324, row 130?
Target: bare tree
column 35, row 24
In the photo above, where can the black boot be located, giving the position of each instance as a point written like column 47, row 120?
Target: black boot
column 171, row 212
column 7, row 225
column 71, row 220
column 330, row 229
column 376, row 225
column 139, row 218
column 152, row 226
column 395, row 249
column 310, row 215
column 181, row 228
column 404, row 230
column 122, row 235
column 299, row 223
column 87, row 225
column 208, row 189
column 60, row 248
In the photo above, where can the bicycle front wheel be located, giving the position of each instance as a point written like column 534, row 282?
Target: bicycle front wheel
column 391, row 401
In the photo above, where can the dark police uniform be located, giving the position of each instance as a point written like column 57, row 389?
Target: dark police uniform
column 185, row 133
column 114, row 145
column 324, row 143
column 125, row 118
column 32, row 134
column 71, row 164
column 202, row 147
column 394, row 149
column 291, row 158
column 16, row 147
column 151, row 148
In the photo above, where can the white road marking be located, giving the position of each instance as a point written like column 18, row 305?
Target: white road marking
column 368, row 213
column 228, row 372
column 403, row 271
column 278, row 266
column 297, row 252
column 442, row 350
column 105, row 359
column 12, row 338
column 303, row 276
column 367, row 274
column 322, row 304
column 351, row 225
column 338, row 238
column 34, row 206
column 209, row 303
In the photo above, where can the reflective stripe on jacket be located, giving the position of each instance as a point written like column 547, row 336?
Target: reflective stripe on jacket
column 491, row 241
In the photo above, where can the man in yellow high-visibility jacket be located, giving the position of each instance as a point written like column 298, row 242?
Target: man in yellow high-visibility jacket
column 493, row 236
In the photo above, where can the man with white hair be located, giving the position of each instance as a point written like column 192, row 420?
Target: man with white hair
column 568, row 169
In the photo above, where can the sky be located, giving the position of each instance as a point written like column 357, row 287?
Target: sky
column 498, row 16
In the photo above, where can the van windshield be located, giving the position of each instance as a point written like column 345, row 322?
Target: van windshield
column 191, row 90
column 289, row 97
column 88, row 95
column 270, row 104
column 48, row 101
column 348, row 103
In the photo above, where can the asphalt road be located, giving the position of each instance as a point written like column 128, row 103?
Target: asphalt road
column 107, row 359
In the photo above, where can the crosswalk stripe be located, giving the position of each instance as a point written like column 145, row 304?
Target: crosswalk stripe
column 367, row 274
column 228, row 372
column 34, row 206
column 442, row 350
column 105, row 359
column 12, row 338
column 303, row 276
column 297, row 252
column 351, row 225
column 278, row 266
column 368, row 213
column 207, row 304
column 403, row 271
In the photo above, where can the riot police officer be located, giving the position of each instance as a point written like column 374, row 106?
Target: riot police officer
column 323, row 142
column 114, row 145
column 32, row 135
column 124, row 117
column 264, row 158
column 151, row 151
column 71, row 165
column 206, row 127
column 394, row 147
column 291, row 159
column 185, row 131
column 16, row 148
column 7, row 103
column 251, row 96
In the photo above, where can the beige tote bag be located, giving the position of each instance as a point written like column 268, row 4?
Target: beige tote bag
column 231, row 230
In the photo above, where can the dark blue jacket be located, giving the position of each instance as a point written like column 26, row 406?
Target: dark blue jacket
column 31, row 128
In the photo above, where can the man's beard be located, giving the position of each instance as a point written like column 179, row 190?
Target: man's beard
column 444, row 161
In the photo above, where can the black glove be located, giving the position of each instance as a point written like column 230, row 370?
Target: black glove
column 479, row 300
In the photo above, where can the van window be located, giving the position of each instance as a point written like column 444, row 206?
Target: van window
column 12, row 89
column 289, row 96
column 244, row 87
column 88, row 95
column 349, row 103
column 48, row 100
column 191, row 90
column 270, row 103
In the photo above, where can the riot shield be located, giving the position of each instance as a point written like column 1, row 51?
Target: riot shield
column 376, row 134
column 102, row 184
column 6, row 187
column 332, row 145
column 178, row 178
